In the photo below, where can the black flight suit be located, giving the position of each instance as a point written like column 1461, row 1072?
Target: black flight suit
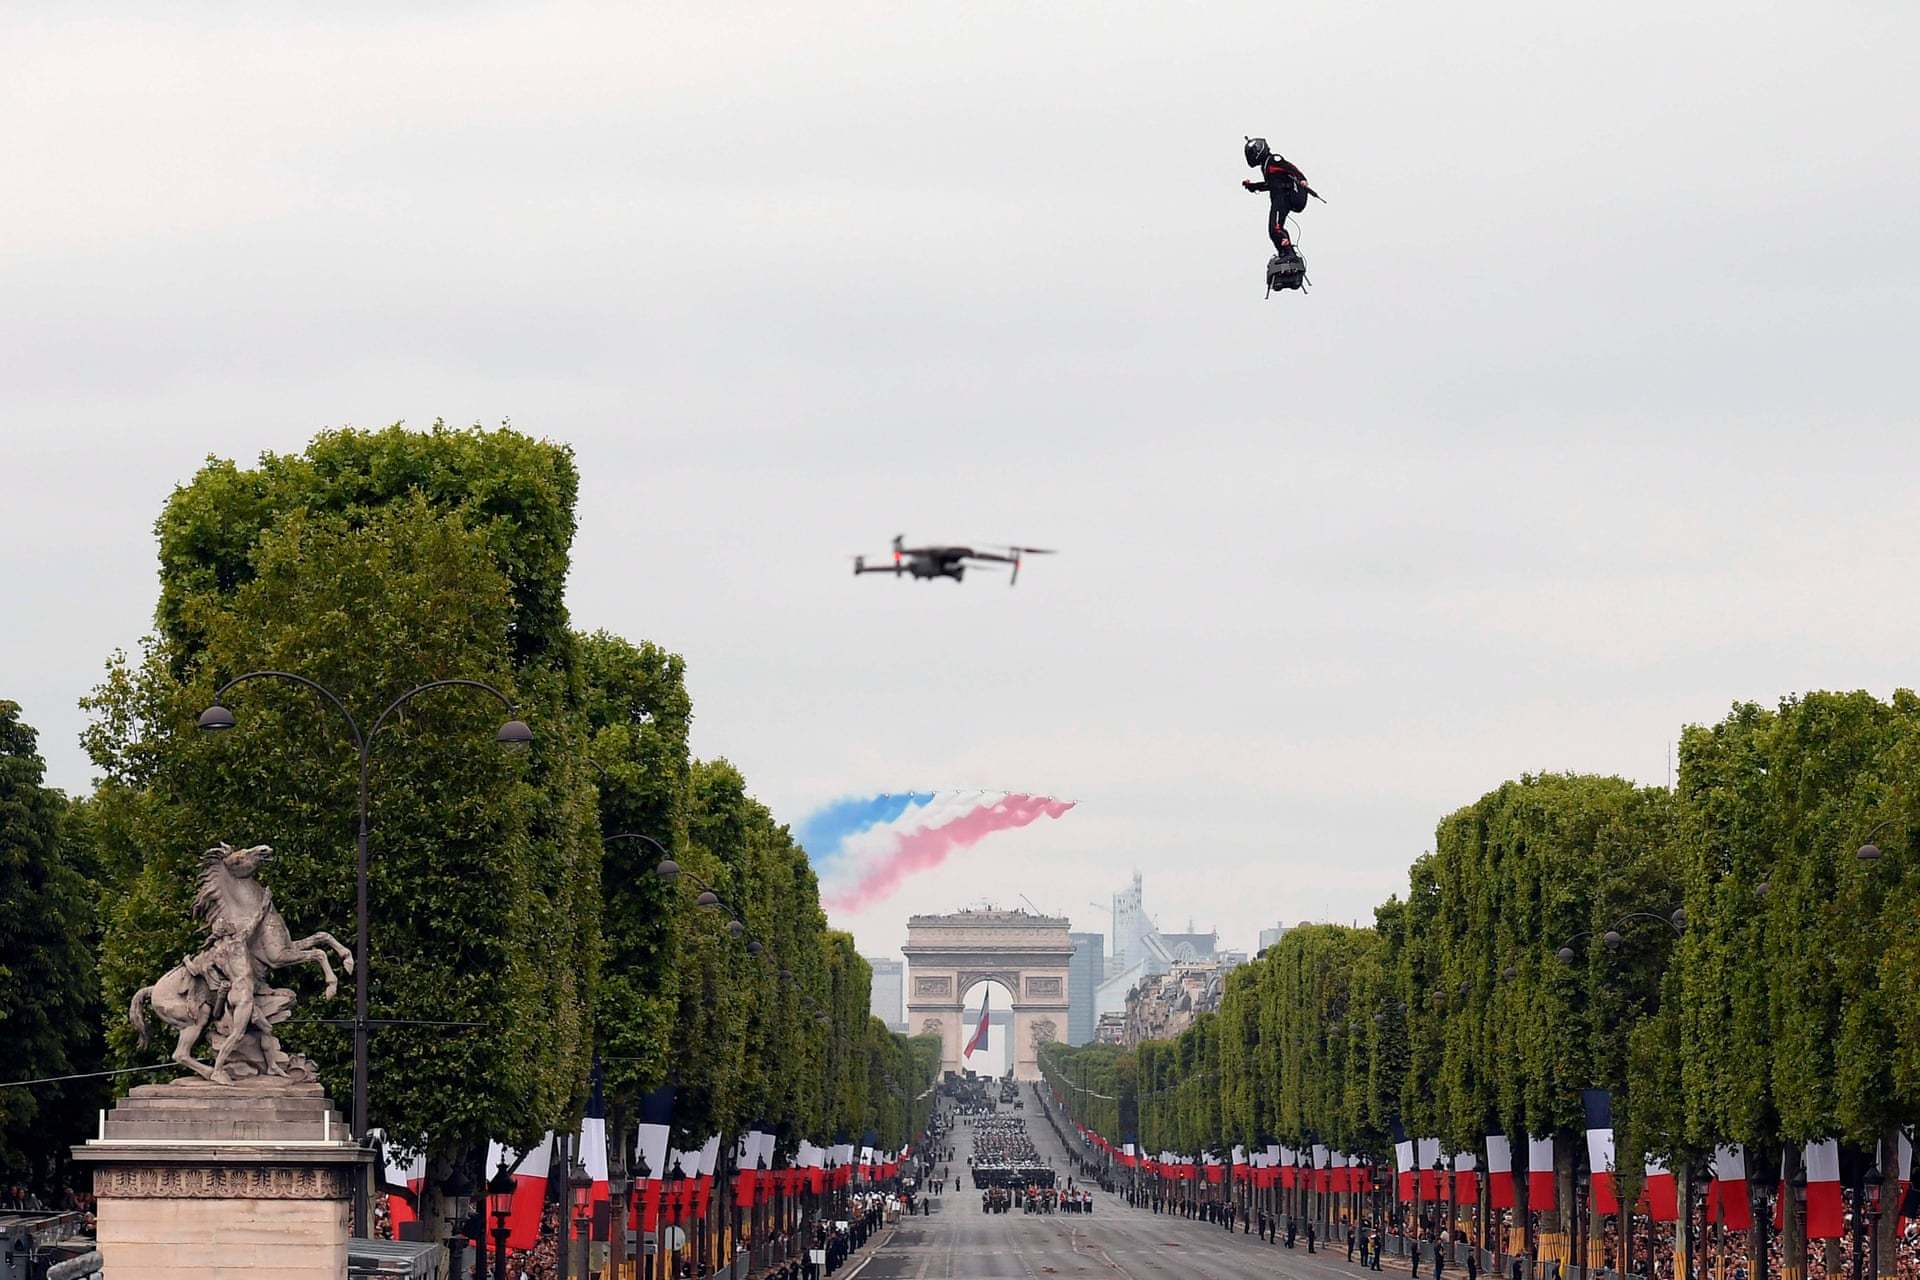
column 1284, row 184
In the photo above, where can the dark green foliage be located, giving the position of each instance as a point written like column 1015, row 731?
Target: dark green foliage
column 49, row 1005
column 1797, row 1009
column 515, row 491
column 484, row 869
column 637, row 714
column 372, row 562
column 1549, row 861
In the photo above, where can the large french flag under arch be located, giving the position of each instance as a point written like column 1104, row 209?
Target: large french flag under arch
column 978, row 1040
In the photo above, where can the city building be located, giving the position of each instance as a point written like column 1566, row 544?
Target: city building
column 1163, row 1005
column 1130, row 924
column 888, row 994
column 1085, row 971
column 1150, row 953
column 1270, row 936
column 1110, row 1029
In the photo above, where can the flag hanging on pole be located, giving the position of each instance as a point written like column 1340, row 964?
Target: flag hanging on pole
column 709, row 1159
column 1499, row 1172
column 1426, row 1156
column 1466, row 1178
column 1540, row 1192
column 1727, row 1200
column 650, row 1153
column 978, row 1040
column 529, row 1195
column 1598, row 1105
column 1826, row 1214
column 592, row 1146
column 399, row 1174
column 1662, row 1191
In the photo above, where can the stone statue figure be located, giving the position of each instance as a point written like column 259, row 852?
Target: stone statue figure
column 1043, row 1031
column 226, row 985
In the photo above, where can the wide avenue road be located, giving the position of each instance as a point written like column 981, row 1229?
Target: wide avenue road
column 959, row 1241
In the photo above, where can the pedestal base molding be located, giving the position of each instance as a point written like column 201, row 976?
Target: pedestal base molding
column 259, row 1182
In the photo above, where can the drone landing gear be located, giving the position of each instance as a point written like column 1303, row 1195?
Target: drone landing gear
column 1286, row 270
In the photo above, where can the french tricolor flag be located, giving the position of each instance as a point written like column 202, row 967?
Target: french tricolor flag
column 808, row 1161
column 1540, row 1192
column 1727, row 1200
column 689, row 1183
column 709, row 1157
column 1598, row 1104
column 650, row 1153
column 1429, row 1156
column 592, row 1146
column 1499, row 1172
column 529, row 1195
column 749, row 1159
column 1826, row 1214
column 1403, row 1167
column 402, row 1175
column 1466, row 1179
column 1662, row 1192
column 978, row 1040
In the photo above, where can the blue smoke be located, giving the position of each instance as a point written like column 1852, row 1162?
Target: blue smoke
column 822, row 832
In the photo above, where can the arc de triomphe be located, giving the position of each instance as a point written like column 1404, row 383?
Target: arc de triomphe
column 1027, row 954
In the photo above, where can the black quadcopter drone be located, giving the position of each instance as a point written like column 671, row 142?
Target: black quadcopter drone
column 928, row 563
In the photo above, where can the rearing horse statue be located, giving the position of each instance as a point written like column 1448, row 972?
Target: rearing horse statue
column 227, row 985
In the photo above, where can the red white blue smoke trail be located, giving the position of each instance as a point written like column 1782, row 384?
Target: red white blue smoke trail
column 864, row 848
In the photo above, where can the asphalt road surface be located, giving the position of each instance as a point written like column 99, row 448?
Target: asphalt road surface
column 958, row 1241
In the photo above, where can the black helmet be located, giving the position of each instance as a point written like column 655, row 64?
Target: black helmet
column 1258, row 152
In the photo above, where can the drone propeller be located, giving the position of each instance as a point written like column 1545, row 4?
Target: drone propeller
column 1018, row 553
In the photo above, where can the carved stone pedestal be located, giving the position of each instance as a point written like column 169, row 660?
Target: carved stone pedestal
column 198, row 1181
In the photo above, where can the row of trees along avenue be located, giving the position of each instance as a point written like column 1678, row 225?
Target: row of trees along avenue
column 1736, row 962
column 373, row 562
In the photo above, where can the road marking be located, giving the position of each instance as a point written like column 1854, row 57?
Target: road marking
column 874, row 1253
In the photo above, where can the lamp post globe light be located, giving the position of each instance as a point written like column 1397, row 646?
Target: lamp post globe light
column 514, row 732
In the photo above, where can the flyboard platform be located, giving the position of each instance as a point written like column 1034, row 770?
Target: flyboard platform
column 1286, row 271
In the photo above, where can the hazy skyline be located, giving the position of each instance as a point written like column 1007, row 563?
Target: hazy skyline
column 1592, row 424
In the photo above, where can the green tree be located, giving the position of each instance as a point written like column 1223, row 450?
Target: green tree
column 374, row 562
column 49, row 1002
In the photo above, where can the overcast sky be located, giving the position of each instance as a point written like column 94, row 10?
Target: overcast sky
column 1598, row 418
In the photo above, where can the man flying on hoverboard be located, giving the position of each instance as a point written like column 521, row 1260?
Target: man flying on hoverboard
column 1287, row 189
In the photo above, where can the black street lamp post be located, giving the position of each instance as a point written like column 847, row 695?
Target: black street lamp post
column 500, row 1202
column 514, row 732
column 1875, row 1184
column 1762, row 1182
column 580, row 1183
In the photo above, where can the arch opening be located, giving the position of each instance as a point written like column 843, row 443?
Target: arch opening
column 996, row 1057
